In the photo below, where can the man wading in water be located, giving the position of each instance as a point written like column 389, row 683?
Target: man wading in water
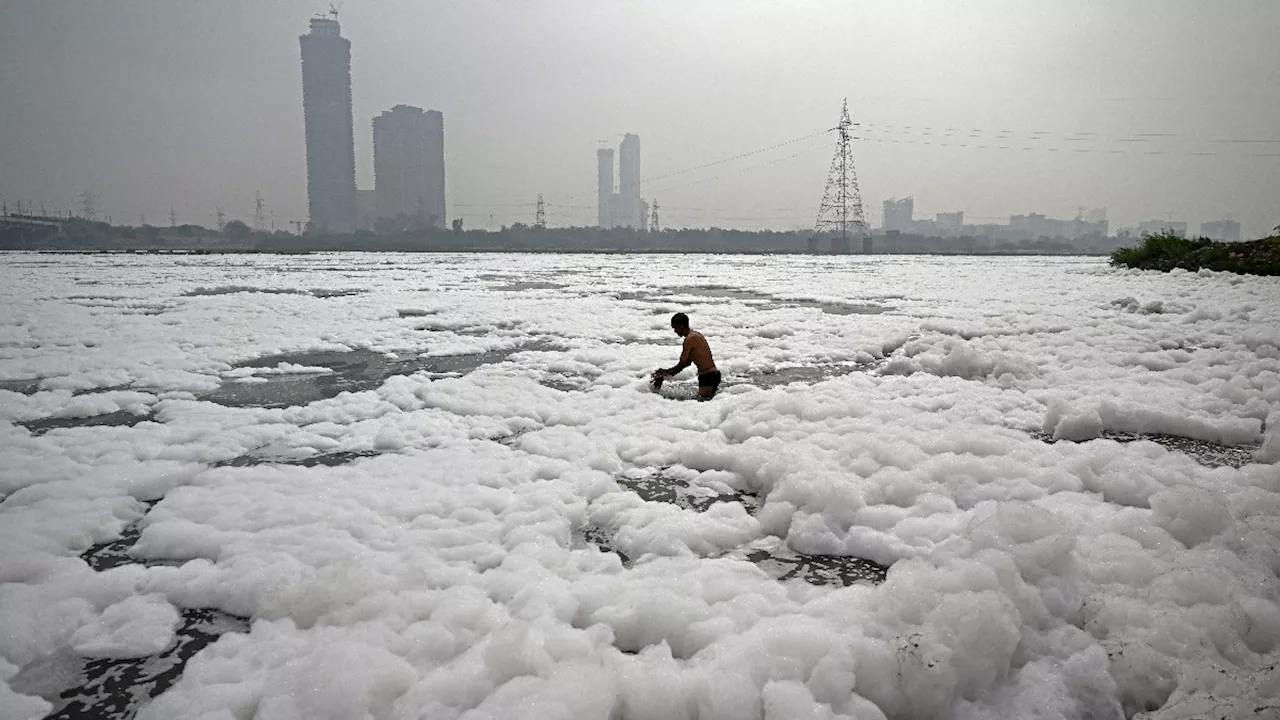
column 696, row 352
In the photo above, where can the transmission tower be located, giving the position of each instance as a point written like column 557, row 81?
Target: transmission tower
column 173, row 217
column 841, row 208
column 540, row 216
column 259, row 212
column 220, row 218
column 653, row 218
column 87, row 205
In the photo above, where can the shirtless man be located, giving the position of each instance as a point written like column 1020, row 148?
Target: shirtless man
column 696, row 352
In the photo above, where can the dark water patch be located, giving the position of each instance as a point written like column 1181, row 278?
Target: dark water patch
column 510, row 439
column 415, row 312
column 336, row 292
column 641, row 340
column 115, row 553
column 599, row 537
column 719, row 292
column 234, row 289
column 330, row 459
column 660, row 486
column 637, row 295
column 832, row 308
column 806, row 374
column 111, row 689
column 22, row 387
column 1202, row 451
column 122, row 305
column 564, row 383
column 99, row 390
column 119, row 418
column 826, row 570
column 758, row 300
column 529, row 285
column 352, row 371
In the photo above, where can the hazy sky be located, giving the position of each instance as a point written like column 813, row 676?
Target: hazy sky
column 198, row 103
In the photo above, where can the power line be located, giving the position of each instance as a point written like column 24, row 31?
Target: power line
column 703, row 166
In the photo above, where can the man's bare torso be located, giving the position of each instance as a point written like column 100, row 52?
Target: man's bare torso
column 698, row 352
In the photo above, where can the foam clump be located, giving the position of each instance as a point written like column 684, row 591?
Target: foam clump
column 135, row 627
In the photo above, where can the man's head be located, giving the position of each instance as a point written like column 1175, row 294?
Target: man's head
column 680, row 324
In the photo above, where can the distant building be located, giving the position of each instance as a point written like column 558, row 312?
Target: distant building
column 1091, row 224
column 1221, row 230
column 604, row 187
column 951, row 223
column 1158, row 227
column 622, row 207
column 326, row 111
column 408, row 164
column 366, row 209
column 899, row 214
column 631, row 214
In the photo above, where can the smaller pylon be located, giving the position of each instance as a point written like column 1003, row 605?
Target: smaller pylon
column 220, row 218
column 653, row 218
column 173, row 217
column 540, row 215
column 259, row 212
column 88, row 208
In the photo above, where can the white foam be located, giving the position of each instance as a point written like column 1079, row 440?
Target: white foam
column 457, row 574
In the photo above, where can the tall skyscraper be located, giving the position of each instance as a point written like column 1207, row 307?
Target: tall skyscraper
column 629, row 181
column 408, row 164
column 604, row 186
column 326, row 111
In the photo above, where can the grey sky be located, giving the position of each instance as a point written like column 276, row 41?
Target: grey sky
column 198, row 103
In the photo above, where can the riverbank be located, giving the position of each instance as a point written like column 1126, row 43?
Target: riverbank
column 1166, row 252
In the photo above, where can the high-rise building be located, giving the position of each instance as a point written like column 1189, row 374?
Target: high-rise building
column 604, row 186
column 1161, row 227
column 899, row 214
column 366, row 209
column 1221, row 230
column 326, row 111
column 631, row 211
column 622, row 207
column 408, row 164
column 951, row 223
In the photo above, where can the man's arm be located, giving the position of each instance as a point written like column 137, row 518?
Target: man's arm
column 685, row 360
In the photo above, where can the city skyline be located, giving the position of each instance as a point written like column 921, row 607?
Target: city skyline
column 1141, row 125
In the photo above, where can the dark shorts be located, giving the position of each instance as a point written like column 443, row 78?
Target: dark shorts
column 711, row 379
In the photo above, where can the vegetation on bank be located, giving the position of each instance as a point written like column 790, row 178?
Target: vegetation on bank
column 1167, row 251
column 78, row 235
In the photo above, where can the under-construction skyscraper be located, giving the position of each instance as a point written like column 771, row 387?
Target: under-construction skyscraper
column 326, row 111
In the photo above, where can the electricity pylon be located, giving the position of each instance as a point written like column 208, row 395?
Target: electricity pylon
column 540, row 216
column 841, row 207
